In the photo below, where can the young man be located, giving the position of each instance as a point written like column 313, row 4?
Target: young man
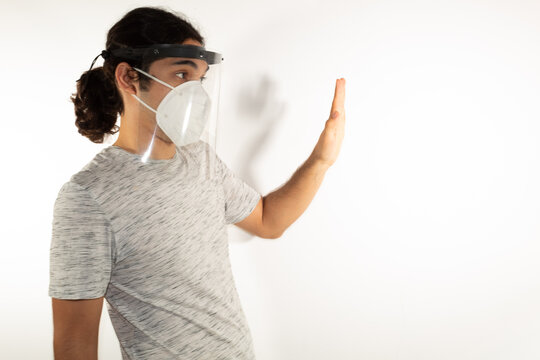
column 142, row 224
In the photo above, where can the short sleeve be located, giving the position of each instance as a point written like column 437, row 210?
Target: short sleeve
column 240, row 198
column 82, row 246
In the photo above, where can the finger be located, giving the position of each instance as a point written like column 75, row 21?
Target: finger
column 338, row 104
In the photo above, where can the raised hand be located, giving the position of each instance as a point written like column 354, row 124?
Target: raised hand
column 327, row 149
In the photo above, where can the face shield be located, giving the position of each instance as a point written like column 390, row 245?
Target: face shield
column 187, row 115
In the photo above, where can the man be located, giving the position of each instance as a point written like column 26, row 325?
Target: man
column 151, row 238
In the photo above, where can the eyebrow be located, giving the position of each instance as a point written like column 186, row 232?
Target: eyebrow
column 189, row 62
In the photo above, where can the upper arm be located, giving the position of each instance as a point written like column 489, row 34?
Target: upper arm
column 254, row 224
column 82, row 246
column 243, row 205
column 76, row 327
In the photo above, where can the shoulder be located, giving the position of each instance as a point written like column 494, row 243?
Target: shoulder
column 102, row 165
column 78, row 189
column 72, row 197
column 201, row 152
column 197, row 147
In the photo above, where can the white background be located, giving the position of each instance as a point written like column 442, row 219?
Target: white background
column 423, row 240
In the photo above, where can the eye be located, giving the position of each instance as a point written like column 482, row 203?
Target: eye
column 181, row 75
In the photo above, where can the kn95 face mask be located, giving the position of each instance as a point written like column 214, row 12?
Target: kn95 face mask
column 184, row 111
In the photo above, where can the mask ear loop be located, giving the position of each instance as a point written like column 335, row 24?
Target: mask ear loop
column 154, row 78
column 145, row 104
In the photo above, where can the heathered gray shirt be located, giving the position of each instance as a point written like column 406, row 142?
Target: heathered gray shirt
column 152, row 239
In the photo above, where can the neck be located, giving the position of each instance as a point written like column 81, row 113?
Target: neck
column 135, row 136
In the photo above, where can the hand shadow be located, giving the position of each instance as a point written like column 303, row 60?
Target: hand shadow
column 260, row 105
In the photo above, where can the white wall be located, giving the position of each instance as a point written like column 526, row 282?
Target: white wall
column 422, row 242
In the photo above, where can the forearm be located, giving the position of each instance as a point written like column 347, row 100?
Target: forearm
column 283, row 206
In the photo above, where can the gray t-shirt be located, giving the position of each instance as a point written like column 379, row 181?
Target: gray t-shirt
column 152, row 239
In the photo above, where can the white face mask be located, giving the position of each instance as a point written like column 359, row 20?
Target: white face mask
column 183, row 112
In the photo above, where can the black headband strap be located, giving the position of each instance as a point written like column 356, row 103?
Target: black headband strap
column 157, row 51
column 104, row 54
column 161, row 51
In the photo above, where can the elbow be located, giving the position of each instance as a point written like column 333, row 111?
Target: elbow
column 270, row 232
column 274, row 235
column 268, row 229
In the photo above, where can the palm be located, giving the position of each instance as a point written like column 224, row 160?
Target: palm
column 329, row 144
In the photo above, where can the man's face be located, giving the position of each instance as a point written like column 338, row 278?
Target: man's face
column 173, row 71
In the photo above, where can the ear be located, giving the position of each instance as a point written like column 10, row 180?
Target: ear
column 127, row 79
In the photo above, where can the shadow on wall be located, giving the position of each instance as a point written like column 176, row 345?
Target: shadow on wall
column 259, row 107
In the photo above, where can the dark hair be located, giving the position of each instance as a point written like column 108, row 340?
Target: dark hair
column 98, row 101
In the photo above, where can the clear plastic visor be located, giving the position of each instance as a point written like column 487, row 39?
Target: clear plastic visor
column 184, row 100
